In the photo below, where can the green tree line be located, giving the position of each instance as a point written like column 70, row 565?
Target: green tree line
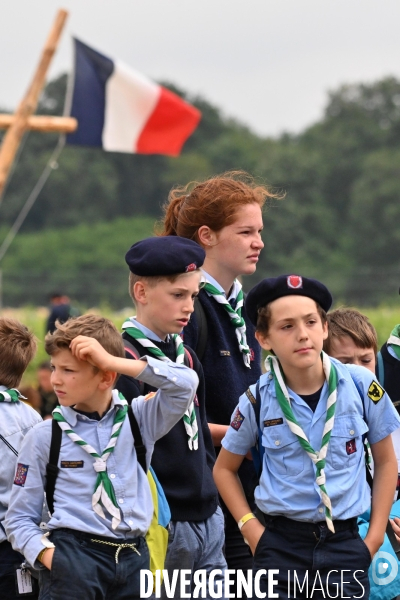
column 339, row 219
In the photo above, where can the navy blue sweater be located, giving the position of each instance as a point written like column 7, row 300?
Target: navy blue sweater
column 185, row 475
column 225, row 373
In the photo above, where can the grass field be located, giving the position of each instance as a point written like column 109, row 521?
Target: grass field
column 383, row 319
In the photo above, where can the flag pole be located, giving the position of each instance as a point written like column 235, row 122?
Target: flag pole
column 27, row 107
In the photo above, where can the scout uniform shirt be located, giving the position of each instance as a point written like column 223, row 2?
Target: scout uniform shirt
column 16, row 418
column 287, row 484
column 76, row 478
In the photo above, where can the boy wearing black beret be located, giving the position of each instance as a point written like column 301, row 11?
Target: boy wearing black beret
column 309, row 420
column 164, row 279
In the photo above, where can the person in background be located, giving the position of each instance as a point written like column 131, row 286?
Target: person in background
column 224, row 215
column 352, row 339
column 17, row 349
column 45, row 389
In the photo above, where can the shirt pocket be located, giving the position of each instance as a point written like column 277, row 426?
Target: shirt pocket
column 346, row 443
column 284, row 454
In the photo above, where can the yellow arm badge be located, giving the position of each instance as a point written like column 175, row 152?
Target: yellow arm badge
column 149, row 396
column 375, row 391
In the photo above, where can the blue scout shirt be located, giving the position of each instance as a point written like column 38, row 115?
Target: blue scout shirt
column 76, row 478
column 16, row 418
column 287, row 484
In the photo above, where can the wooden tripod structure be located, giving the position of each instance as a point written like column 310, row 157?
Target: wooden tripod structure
column 23, row 119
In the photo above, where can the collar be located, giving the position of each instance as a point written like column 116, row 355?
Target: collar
column 267, row 380
column 72, row 416
column 3, row 388
column 148, row 332
column 234, row 289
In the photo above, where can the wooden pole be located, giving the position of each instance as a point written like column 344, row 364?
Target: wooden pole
column 47, row 124
column 27, row 107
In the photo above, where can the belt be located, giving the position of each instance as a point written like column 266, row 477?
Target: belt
column 286, row 523
column 109, row 545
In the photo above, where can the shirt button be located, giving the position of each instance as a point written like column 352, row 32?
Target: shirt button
column 174, row 378
column 277, row 443
column 112, row 475
column 156, row 370
column 130, row 522
column 100, row 425
column 351, row 431
column 321, row 510
column 121, row 501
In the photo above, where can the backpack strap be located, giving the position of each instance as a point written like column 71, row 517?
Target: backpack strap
column 52, row 466
column 188, row 359
column 3, row 439
column 202, row 329
column 131, row 350
column 368, row 473
column 257, row 451
column 137, row 439
column 380, row 369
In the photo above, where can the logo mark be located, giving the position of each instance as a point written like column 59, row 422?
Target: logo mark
column 191, row 267
column 384, row 564
column 375, row 392
column 295, row 282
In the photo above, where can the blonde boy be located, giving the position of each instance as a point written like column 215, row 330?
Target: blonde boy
column 102, row 499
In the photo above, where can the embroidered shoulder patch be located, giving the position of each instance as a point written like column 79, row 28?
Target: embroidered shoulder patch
column 238, row 419
column 149, row 396
column 375, row 392
column 21, row 474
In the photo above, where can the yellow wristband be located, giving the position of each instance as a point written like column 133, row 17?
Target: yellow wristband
column 244, row 519
column 41, row 553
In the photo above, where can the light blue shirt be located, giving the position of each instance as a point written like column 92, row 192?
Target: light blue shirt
column 16, row 418
column 391, row 351
column 287, row 484
column 75, row 486
column 148, row 332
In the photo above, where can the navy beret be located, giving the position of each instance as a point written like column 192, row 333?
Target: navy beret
column 273, row 288
column 166, row 255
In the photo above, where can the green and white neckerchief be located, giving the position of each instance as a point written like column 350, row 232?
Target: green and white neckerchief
column 235, row 315
column 104, row 495
column 394, row 341
column 189, row 418
column 318, row 457
column 12, row 395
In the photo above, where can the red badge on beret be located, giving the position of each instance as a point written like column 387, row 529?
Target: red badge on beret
column 295, row 282
column 191, row 267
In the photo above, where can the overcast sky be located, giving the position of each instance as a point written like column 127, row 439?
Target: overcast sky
column 268, row 63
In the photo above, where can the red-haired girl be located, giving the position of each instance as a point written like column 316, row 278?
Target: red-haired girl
column 224, row 215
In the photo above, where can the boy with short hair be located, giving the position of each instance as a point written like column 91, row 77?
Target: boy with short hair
column 164, row 280
column 17, row 349
column 312, row 419
column 351, row 338
column 102, row 499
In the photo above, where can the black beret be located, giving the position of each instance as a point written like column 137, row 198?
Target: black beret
column 167, row 255
column 273, row 288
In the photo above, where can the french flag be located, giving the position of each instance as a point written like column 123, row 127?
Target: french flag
column 121, row 110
